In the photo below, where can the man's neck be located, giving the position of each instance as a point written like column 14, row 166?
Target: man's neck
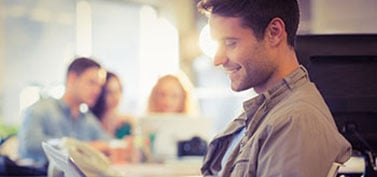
column 288, row 64
column 74, row 107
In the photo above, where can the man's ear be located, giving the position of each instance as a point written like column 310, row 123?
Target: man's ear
column 275, row 31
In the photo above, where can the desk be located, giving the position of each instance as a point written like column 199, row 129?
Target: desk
column 354, row 165
column 171, row 169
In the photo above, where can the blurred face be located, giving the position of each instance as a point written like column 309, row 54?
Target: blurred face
column 169, row 97
column 243, row 57
column 113, row 93
column 87, row 86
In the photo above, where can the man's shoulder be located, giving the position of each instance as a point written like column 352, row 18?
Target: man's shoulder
column 90, row 118
column 303, row 102
column 43, row 105
column 307, row 92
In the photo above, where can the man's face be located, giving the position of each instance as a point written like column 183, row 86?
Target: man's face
column 87, row 86
column 244, row 58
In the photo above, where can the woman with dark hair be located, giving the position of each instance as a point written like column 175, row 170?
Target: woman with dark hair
column 106, row 108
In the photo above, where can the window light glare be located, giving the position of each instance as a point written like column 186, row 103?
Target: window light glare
column 83, row 28
column 28, row 96
column 206, row 43
column 57, row 91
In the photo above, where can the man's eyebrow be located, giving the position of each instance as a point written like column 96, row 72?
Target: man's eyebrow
column 230, row 38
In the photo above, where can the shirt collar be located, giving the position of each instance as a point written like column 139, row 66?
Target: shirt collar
column 67, row 110
column 293, row 80
column 267, row 99
column 276, row 93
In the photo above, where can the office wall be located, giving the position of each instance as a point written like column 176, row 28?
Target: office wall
column 37, row 44
column 1, row 58
column 344, row 16
column 182, row 14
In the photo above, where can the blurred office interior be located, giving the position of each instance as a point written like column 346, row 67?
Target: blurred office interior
column 138, row 39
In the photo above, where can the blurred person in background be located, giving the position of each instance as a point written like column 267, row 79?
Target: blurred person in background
column 57, row 118
column 287, row 130
column 107, row 108
column 172, row 94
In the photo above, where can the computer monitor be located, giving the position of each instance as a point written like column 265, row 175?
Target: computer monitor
column 344, row 68
column 170, row 129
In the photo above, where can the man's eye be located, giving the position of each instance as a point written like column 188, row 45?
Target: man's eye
column 230, row 43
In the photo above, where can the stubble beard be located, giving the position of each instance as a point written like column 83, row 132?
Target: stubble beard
column 255, row 78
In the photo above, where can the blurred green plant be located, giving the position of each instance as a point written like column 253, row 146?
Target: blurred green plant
column 6, row 130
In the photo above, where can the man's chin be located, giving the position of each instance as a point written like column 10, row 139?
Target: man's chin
column 90, row 104
column 238, row 88
column 235, row 87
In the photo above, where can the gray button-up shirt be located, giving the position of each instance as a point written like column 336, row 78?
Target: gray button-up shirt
column 290, row 133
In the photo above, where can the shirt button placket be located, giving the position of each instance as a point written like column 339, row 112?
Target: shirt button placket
column 242, row 144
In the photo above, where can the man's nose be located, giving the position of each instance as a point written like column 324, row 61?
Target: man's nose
column 219, row 58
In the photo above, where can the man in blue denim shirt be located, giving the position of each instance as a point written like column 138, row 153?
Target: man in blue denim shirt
column 51, row 118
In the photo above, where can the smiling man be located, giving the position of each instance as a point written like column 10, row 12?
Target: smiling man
column 287, row 130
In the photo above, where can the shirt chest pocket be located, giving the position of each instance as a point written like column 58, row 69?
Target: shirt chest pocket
column 245, row 163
